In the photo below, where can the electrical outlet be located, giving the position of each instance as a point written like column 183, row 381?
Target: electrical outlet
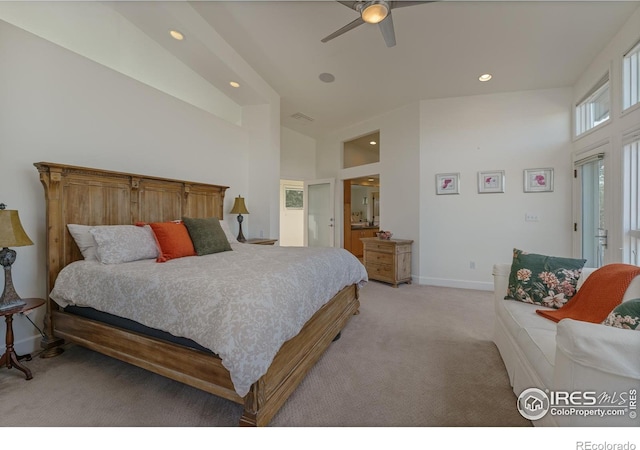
column 261, row 234
column 472, row 264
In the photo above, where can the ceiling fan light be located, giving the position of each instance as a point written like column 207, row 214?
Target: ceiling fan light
column 375, row 11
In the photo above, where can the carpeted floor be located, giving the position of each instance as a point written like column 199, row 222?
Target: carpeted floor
column 415, row 356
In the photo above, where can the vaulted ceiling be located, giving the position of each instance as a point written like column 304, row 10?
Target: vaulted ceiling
column 442, row 48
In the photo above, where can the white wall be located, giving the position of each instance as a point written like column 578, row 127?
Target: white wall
column 510, row 132
column 58, row 106
column 98, row 32
column 297, row 155
column 399, row 170
column 297, row 163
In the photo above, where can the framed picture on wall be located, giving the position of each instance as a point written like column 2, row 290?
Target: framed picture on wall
column 538, row 180
column 491, row 181
column 447, row 183
column 293, row 198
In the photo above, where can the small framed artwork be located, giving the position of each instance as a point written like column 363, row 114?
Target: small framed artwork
column 447, row 183
column 538, row 180
column 491, row 181
column 293, row 197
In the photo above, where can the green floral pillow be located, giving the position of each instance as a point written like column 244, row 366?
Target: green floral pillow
column 626, row 315
column 543, row 280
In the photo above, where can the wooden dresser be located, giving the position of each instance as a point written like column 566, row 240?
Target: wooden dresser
column 388, row 260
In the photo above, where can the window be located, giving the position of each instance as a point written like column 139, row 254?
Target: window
column 594, row 108
column 361, row 151
column 631, row 78
column 631, row 217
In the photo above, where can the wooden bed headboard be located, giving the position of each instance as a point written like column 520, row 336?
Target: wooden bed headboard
column 88, row 196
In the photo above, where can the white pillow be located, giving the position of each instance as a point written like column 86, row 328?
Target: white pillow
column 230, row 237
column 124, row 243
column 84, row 240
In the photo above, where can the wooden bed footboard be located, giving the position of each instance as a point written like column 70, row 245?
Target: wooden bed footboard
column 98, row 197
column 205, row 371
column 296, row 357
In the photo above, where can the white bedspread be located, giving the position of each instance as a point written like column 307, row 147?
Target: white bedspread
column 241, row 304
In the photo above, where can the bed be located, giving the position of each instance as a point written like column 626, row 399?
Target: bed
column 78, row 195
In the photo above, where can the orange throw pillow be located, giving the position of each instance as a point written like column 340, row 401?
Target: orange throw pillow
column 173, row 240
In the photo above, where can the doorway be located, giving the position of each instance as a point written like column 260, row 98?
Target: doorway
column 361, row 211
column 318, row 213
column 592, row 222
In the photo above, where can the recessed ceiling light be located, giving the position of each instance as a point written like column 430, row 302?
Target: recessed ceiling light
column 327, row 77
column 176, row 35
column 485, row 77
column 235, row 84
column 373, row 142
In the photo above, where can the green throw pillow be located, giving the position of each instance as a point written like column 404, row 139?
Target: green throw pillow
column 207, row 235
column 626, row 315
column 543, row 280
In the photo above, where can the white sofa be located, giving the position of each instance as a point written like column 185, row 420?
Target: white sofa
column 567, row 356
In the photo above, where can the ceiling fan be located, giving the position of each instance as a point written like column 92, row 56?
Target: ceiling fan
column 375, row 11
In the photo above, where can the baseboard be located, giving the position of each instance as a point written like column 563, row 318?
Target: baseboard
column 29, row 345
column 461, row 284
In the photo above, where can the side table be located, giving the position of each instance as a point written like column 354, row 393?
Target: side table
column 10, row 358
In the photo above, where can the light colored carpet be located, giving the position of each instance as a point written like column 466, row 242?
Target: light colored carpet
column 416, row 356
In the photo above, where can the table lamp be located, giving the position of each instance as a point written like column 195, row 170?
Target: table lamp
column 11, row 235
column 239, row 208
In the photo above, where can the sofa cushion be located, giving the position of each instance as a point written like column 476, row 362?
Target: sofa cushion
column 633, row 291
column 517, row 315
column 543, row 280
column 538, row 346
column 626, row 315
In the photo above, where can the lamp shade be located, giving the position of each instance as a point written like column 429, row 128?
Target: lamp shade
column 239, row 206
column 11, row 232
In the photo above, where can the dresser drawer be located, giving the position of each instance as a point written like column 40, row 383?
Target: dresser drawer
column 380, row 271
column 380, row 246
column 378, row 257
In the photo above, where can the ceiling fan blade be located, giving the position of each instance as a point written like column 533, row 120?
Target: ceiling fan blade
column 388, row 33
column 351, row 5
column 402, row 3
column 344, row 29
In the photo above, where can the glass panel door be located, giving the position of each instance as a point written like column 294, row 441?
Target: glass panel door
column 594, row 232
column 319, row 207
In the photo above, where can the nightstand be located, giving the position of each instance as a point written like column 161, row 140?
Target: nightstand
column 10, row 358
column 261, row 241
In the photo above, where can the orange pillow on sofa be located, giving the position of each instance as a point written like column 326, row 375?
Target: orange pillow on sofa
column 173, row 240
